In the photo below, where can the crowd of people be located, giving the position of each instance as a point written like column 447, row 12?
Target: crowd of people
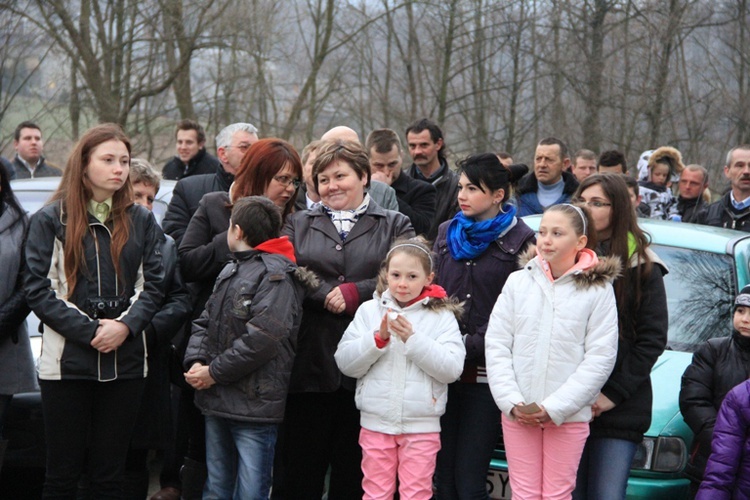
column 334, row 323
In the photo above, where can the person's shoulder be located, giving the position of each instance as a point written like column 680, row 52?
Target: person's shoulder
column 527, row 184
column 209, row 199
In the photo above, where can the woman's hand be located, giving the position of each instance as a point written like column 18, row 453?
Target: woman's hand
column 335, row 301
column 110, row 335
column 401, row 327
column 199, row 377
column 537, row 419
column 602, row 404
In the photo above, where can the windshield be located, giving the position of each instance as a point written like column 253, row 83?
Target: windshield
column 700, row 293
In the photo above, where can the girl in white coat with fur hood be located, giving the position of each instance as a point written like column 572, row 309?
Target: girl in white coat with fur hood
column 404, row 347
column 551, row 344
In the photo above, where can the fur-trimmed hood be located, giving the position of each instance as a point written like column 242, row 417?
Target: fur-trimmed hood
column 606, row 270
column 307, row 278
column 670, row 155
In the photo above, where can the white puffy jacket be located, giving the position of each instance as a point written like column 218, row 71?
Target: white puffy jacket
column 403, row 387
column 553, row 343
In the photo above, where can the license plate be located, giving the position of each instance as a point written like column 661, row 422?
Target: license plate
column 498, row 484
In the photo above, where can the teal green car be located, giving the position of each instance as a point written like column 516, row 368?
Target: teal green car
column 706, row 268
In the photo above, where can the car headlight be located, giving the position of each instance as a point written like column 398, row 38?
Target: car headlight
column 663, row 454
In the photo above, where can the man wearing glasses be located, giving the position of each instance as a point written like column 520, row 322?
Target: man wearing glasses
column 231, row 144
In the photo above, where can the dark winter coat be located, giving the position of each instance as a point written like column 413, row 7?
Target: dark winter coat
column 417, row 201
column 727, row 474
column 690, row 210
column 446, row 185
column 186, row 197
column 477, row 283
column 154, row 423
column 718, row 365
column 68, row 328
column 526, row 197
column 639, row 346
column 201, row 163
column 17, row 373
column 247, row 336
column 722, row 214
column 356, row 261
column 41, row 170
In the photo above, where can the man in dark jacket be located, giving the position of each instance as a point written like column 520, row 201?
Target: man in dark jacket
column 29, row 161
column 416, row 198
column 693, row 182
column 549, row 183
column 192, row 157
column 231, row 143
column 427, row 150
column 733, row 209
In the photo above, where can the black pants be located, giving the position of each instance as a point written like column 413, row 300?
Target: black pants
column 88, row 423
column 322, row 429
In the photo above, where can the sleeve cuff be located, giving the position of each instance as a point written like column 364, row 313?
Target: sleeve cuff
column 380, row 343
column 351, row 297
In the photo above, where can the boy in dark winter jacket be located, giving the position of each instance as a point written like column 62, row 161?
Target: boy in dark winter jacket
column 240, row 355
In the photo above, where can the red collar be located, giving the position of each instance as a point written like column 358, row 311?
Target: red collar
column 281, row 246
column 434, row 291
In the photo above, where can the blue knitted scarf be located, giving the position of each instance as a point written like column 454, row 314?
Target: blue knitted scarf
column 468, row 239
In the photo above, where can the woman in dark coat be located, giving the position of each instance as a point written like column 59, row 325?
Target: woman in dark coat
column 718, row 365
column 16, row 363
column 344, row 242
column 622, row 412
column 727, row 473
column 476, row 252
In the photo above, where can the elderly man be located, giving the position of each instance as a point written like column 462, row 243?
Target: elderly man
column 416, row 198
column 29, row 161
column 192, row 157
column 549, row 183
column 733, row 209
column 231, row 143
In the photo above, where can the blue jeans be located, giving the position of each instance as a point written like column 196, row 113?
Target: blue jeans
column 470, row 429
column 239, row 459
column 604, row 469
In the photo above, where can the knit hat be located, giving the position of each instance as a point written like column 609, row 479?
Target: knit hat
column 743, row 299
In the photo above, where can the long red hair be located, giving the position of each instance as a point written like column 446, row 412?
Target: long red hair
column 74, row 194
column 265, row 159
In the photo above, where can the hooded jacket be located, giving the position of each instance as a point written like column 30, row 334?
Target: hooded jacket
column 526, row 198
column 68, row 328
column 247, row 335
column 446, row 185
column 718, row 365
column 403, row 387
column 727, row 474
column 553, row 343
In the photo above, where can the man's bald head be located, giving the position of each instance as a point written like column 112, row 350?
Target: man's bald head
column 341, row 133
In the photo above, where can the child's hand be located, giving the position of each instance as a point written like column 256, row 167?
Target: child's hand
column 402, row 327
column 602, row 404
column 199, row 377
column 537, row 419
column 384, row 334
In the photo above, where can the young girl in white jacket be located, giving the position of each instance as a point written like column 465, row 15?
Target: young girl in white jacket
column 404, row 347
column 551, row 344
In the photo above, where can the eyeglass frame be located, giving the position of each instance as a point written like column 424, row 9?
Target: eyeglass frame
column 291, row 180
column 594, row 203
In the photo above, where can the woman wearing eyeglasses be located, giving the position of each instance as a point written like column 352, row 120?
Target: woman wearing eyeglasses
column 343, row 241
column 270, row 168
column 622, row 412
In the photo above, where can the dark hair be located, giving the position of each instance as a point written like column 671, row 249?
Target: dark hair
column 486, row 170
column 612, row 158
column 6, row 192
column 192, row 125
column 383, row 140
column 553, row 141
column 631, row 183
column 258, row 217
column 26, row 124
column 262, row 161
column 435, row 133
column 623, row 224
column 351, row 153
column 573, row 214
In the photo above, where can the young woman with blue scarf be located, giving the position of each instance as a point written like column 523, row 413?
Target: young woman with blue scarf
column 476, row 251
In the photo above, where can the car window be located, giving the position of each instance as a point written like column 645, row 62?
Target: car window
column 700, row 293
column 32, row 201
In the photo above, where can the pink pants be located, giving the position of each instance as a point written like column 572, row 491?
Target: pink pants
column 543, row 462
column 412, row 455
